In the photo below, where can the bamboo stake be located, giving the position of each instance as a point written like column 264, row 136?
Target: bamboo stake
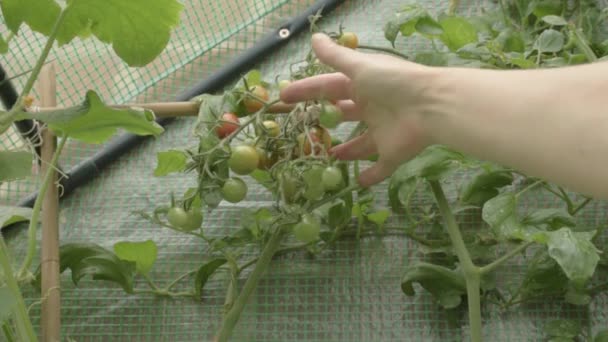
column 51, row 296
column 177, row 109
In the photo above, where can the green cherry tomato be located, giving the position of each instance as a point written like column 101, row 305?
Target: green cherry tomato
column 243, row 160
column 308, row 229
column 187, row 221
column 313, row 189
column 330, row 116
column 289, row 186
column 234, row 190
column 332, row 178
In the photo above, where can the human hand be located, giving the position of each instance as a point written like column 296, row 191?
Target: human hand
column 392, row 96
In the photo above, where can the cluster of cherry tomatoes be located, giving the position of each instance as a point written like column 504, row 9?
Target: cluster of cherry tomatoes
column 293, row 148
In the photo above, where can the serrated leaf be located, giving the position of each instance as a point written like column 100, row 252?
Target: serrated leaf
column 121, row 23
column 555, row 20
column 404, row 22
column 93, row 122
column 574, row 252
column 549, row 41
column 39, row 15
column 91, row 259
column 428, row 26
column 447, row 286
column 11, row 215
column 498, row 209
column 15, row 165
column 554, row 218
column 169, row 162
column 204, row 272
column 457, row 32
column 432, row 164
column 563, row 328
column 143, row 254
column 7, row 302
column 484, row 185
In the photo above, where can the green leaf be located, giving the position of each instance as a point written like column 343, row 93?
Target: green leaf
column 93, row 122
column 428, row 26
column 91, row 259
column 208, row 113
column 432, row 164
column 169, row 162
column 549, row 41
column 15, row 165
column 142, row 253
column 264, row 178
column 511, row 41
column 563, row 328
column 498, row 209
column 543, row 8
column 543, row 276
column 555, row 20
column 574, row 252
column 577, row 295
column 400, row 193
column 338, row 215
column 457, row 32
column 3, row 45
column 447, row 286
column 431, row 59
column 138, row 30
column 7, row 302
column 484, row 185
column 379, row 217
column 602, row 336
column 404, row 22
column 39, row 15
column 11, row 215
column 553, row 218
column 204, row 272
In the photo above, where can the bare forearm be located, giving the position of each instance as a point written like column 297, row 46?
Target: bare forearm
column 551, row 124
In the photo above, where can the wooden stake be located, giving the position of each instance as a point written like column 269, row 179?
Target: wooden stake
column 178, row 109
column 51, row 295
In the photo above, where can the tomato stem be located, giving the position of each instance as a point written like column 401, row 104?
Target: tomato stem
column 471, row 272
column 232, row 316
column 31, row 250
column 23, row 323
column 492, row 266
column 384, row 49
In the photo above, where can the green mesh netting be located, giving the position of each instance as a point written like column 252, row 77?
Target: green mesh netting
column 350, row 293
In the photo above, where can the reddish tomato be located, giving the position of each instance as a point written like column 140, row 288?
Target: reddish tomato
column 349, row 39
column 319, row 136
column 253, row 104
column 243, row 159
column 227, row 128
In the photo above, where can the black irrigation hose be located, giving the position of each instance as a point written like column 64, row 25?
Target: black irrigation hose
column 88, row 169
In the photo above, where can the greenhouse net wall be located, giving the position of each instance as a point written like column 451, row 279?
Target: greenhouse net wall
column 350, row 293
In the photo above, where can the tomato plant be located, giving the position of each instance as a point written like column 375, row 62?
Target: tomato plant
column 332, row 178
column 317, row 139
column 330, row 116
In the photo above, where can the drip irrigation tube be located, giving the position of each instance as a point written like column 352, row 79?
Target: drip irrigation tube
column 88, row 169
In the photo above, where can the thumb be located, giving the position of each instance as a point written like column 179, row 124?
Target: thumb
column 375, row 174
column 341, row 58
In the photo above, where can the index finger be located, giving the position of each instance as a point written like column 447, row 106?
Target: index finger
column 341, row 58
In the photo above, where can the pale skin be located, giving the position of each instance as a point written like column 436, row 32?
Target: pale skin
column 549, row 123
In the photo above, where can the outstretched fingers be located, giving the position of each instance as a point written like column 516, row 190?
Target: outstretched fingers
column 332, row 87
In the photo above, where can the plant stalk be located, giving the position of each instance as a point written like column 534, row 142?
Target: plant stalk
column 492, row 266
column 384, row 49
column 231, row 318
column 24, row 325
column 31, row 249
column 471, row 272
